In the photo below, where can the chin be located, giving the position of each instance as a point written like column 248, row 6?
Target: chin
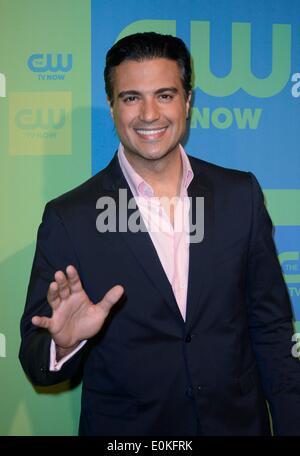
column 156, row 154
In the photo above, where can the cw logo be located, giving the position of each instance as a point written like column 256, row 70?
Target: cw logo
column 29, row 119
column 286, row 257
column 40, row 63
column 2, row 85
column 240, row 76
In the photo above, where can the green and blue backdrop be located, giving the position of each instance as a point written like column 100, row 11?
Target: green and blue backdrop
column 56, row 131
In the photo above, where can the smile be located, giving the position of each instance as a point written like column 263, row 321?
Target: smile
column 154, row 133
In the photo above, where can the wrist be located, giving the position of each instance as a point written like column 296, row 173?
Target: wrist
column 61, row 352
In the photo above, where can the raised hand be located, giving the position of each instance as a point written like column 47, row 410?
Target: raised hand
column 74, row 316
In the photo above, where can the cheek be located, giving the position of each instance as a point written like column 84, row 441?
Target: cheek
column 177, row 113
column 124, row 119
column 180, row 120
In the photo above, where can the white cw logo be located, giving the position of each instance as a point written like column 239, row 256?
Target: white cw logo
column 2, row 346
column 2, row 85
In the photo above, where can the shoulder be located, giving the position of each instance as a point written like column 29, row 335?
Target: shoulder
column 238, row 187
column 217, row 173
column 81, row 193
column 86, row 194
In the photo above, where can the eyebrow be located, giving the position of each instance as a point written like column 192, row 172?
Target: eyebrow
column 127, row 93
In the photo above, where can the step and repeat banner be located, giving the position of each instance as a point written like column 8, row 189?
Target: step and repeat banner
column 56, row 131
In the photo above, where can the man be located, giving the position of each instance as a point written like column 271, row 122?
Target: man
column 176, row 337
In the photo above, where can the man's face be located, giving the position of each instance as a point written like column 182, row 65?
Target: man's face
column 150, row 107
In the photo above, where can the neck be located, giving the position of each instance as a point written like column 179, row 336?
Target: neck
column 164, row 175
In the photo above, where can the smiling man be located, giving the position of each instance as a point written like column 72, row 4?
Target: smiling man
column 175, row 337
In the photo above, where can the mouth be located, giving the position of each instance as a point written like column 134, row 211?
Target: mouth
column 150, row 134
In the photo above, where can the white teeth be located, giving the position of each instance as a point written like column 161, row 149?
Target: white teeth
column 150, row 132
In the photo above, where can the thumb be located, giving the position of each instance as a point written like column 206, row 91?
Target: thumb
column 41, row 322
column 110, row 298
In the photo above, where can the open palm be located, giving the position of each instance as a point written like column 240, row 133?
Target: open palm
column 74, row 316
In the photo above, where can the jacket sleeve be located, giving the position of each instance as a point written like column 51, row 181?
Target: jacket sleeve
column 54, row 251
column 270, row 322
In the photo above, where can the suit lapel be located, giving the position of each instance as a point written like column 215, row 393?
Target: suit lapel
column 144, row 251
column 200, row 262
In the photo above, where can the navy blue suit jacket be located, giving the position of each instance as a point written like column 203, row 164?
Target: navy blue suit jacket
column 148, row 372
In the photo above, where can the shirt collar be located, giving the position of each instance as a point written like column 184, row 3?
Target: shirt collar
column 140, row 187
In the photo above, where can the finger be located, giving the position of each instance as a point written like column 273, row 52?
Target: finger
column 63, row 285
column 74, row 280
column 110, row 298
column 53, row 297
column 41, row 322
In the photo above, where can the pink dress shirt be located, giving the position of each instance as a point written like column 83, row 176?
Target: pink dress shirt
column 171, row 243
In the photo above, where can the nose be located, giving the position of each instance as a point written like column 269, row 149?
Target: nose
column 149, row 111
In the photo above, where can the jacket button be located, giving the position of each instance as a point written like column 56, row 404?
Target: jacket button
column 199, row 388
column 188, row 338
column 189, row 393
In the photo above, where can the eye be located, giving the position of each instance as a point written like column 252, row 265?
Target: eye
column 130, row 99
column 165, row 97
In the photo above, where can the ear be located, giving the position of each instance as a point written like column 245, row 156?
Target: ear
column 110, row 105
column 188, row 104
